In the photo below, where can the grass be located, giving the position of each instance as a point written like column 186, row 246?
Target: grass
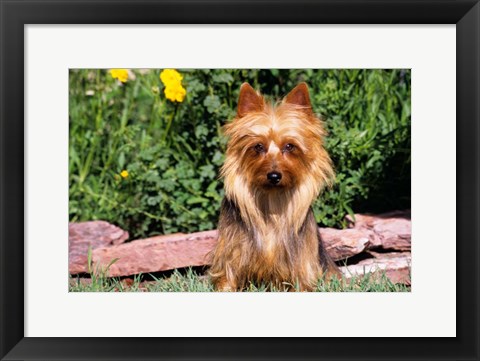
column 194, row 281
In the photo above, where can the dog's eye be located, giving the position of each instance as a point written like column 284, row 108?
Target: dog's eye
column 259, row 148
column 289, row 147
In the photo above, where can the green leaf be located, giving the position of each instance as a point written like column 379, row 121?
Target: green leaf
column 212, row 102
column 196, row 200
column 222, row 78
column 121, row 161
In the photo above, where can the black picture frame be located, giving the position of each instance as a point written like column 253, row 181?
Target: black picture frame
column 15, row 14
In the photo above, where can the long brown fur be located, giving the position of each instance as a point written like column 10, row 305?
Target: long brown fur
column 267, row 232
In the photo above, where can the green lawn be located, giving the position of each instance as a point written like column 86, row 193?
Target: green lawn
column 194, row 281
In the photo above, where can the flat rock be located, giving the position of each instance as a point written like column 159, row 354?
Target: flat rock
column 396, row 266
column 366, row 220
column 168, row 252
column 369, row 233
column 344, row 243
column 93, row 234
column 156, row 254
column 390, row 231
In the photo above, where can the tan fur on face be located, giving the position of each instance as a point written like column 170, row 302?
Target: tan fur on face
column 268, row 233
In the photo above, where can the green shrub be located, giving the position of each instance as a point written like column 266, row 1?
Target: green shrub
column 172, row 151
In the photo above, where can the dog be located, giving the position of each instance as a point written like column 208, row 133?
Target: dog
column 275, row 167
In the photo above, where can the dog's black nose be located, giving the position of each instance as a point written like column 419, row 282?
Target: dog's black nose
column 274, row 177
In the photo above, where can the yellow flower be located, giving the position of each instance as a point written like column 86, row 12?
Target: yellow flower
column 120, row 74
column 175, row 93
column 171, row 77
column 124, row 174
column 172, row 80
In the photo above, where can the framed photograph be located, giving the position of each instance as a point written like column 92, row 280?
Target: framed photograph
column 116, row 112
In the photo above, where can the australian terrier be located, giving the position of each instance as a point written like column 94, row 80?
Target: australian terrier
column 275, row 167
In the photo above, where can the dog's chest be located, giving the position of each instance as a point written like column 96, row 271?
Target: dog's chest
column 272, row 241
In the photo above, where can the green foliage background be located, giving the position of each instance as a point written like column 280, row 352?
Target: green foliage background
column 173, row 151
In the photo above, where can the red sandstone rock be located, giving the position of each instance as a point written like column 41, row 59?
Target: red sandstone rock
column 92, row 234
column 365, row 220
column 396, row 266
column 182, row 250
column 345, row 243
column 390, row 231
column 156, row 254
column 368, row 233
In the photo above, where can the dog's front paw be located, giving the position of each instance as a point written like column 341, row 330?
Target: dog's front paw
column 224, row 286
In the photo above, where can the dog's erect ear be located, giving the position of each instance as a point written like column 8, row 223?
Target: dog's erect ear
column 248, row 100
column 299, row 96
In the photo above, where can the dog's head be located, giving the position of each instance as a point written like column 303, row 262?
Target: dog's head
column 276, row 147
